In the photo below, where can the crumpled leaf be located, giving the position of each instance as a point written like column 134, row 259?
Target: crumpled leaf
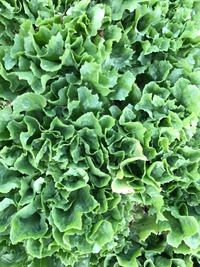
column 96, row 15
column 28, row 102
column 187, row 94
column 124, row 86
column 102, row 233
column 121, row 187
column 99, row 133
column 129, row 258
column 8, row 179
column 27, row 223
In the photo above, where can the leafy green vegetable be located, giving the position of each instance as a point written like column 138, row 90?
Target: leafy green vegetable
column 99, row 133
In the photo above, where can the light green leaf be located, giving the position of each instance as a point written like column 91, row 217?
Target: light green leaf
column 88, row 101
column 90, row 121
column 120, row 6
column 67, row 220
column 102, row 233
column 50, row 66
column 55, row 48
column 8, row 179
column 121, row 187
column 124, row 86
column 28, row 102
column 96, row 15
column 129, row 259
column 90, row 72
column 189, row 225
column 159, row 70
column 27, row 223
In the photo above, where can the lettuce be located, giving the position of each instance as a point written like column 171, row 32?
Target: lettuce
column 99, row 133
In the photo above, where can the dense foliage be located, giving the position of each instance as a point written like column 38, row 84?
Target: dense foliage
column 99, row 133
